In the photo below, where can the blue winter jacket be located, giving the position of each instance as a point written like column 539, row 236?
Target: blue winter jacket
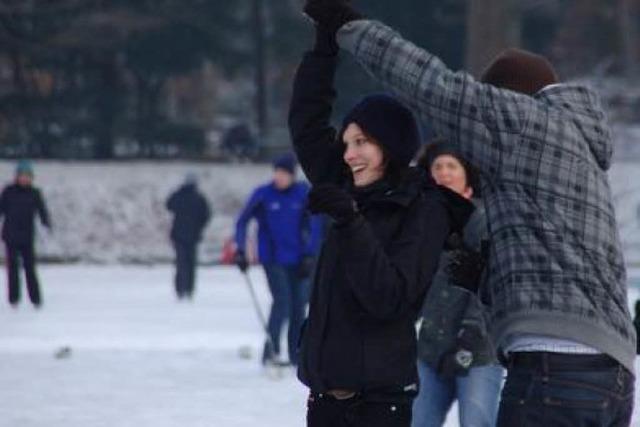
column 286, row 231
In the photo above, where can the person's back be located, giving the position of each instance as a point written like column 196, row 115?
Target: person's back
column 191, row 213
column 19, row 205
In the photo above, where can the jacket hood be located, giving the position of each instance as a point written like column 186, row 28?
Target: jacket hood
column 588, row 117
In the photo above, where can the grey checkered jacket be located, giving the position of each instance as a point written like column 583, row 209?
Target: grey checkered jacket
column 556, row 266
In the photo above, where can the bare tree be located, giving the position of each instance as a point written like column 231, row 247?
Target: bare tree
column 492, row 25
column 627, row 24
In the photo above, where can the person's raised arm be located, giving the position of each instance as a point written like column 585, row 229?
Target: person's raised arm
column 313, row 137
column 475, row 116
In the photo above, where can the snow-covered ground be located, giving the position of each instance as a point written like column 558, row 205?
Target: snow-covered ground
column 141, row 358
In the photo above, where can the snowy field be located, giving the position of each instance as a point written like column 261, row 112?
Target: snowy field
column 140, row 358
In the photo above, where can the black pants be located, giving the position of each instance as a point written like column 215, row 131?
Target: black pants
column 186, row 260
column 326, row 411
column 566, row 390
column 16, row 253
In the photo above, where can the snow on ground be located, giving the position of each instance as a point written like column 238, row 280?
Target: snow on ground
column 141, row 358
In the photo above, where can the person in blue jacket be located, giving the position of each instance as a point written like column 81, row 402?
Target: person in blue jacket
column 288, row 239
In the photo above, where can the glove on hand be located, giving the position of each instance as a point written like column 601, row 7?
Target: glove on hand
column 465, row 268
column 330, row 14
column 241, row 261
column 333, row 201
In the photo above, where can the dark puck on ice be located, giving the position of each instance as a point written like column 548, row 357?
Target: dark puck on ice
column 63, row 352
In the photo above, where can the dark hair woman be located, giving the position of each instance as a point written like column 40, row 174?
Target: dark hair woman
column 358, row 351
column 456, row 360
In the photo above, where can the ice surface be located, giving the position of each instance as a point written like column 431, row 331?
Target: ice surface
column 140, row 358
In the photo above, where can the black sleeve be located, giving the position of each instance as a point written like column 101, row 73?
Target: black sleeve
column 3, row 201
column 42, row 210
column 389, row 281
column 172, row 202
column 314, row 139
column 206, row 211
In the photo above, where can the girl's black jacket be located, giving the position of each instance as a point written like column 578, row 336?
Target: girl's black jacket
column 372, row 273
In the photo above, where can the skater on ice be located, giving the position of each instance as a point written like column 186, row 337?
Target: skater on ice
column 288, row 241
column 20, row 202
column 191, row 213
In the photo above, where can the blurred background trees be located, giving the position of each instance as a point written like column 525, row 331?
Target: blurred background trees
column 112, row 79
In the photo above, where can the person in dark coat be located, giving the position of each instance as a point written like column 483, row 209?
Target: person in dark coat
column 191, row 215
column 20, row 202
column 388, row 226
column 456, row 359
column 288, row 242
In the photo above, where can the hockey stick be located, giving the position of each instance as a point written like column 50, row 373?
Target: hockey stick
column 259, row 313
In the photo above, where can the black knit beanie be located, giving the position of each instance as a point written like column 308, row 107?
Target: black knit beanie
column 390, row 123
column 440, row 147
column 286, row 162
column 520, row 71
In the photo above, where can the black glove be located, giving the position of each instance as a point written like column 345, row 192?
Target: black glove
column 465, row 268
column 305, row 268
column 330, row 14
column 325, row 43
column 333, row 201
column 241, row 261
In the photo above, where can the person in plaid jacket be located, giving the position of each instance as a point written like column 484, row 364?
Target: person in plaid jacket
column 557, row 286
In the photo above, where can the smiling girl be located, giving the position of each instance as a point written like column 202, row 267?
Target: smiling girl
column 389, row 224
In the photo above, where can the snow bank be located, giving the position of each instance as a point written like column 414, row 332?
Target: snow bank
column 114, row 212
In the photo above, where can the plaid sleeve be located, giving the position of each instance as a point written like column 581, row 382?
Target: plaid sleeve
column 477, row 117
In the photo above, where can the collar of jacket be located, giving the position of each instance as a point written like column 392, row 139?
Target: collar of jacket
column 458, row 208
column 384, row 192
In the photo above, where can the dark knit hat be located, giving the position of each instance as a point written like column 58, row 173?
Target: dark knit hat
column 390, row 123
column 440, row 147
column 520, row 71
column 286, row 162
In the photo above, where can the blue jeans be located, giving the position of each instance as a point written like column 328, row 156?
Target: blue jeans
column 565, row 390
column 290, row 295
column 477, row 394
